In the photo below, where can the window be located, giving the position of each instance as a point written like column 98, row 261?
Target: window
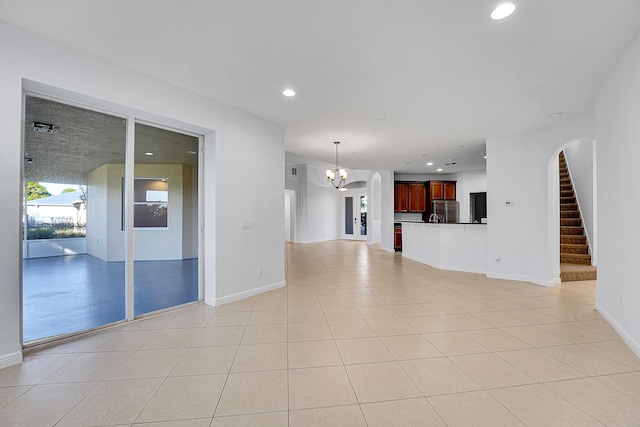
column 150, row 202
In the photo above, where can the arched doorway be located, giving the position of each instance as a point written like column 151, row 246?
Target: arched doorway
column 291, row 212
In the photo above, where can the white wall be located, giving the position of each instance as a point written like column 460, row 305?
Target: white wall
column 232, row 256
column 319, row 217
column 580, row 161
column 152, row 244
column 323, row 208
column 469, row 182
column 520, row 168
column 287, row 215
column 97, row 215
column 374, row 213
column 164, row 244
column 618, row 151
column 386, row 192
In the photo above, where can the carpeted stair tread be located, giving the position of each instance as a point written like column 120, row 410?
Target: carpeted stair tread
column 573, row 248
column 583, row 259
column 572, row 230
column 573, row 239
column 573, row 272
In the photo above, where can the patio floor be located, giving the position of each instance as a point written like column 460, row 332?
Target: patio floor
column 67, row 294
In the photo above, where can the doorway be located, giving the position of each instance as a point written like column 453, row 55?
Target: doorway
column 478, row 207
column 354, row 216
column 79, row 268
column 287, row 215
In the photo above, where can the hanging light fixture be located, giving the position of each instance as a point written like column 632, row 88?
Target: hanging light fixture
column 337, row 172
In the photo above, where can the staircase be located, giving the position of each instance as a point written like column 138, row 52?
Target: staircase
column 575, row 261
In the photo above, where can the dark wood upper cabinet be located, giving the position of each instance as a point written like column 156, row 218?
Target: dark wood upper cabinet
column 438, row 190
column 417, row 197
column 409, row 197
column 400, row 198
column 449, row 190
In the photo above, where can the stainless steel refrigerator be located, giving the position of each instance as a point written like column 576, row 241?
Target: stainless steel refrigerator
column 447, row 210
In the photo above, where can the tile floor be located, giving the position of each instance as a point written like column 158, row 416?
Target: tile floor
column 359, row 337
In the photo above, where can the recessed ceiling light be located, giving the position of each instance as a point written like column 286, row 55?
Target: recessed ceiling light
column 429, row 163
column 289, row 92
column 148, row 154
column 43, row 127
column 502, row 11
column 439, row 170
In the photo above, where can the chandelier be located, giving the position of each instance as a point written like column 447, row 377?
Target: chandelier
column 341, row 185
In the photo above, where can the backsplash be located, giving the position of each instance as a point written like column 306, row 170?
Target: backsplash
column 407, row 216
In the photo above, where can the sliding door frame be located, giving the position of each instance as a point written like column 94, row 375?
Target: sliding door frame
column 131, row 117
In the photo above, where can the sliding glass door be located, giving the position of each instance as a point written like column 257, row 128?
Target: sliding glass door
column 82, row 262
column 165, row 218
column 73, row 248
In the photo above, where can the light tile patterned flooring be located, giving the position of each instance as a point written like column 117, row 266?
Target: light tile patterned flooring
column 359, row 337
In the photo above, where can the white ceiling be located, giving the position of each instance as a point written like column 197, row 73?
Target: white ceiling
column 391, row 80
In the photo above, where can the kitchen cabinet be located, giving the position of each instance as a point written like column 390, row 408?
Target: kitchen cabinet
column 397, row 237
column 409, row 197
column 417, row 197
column 449, row 190
column 400, row 197
column 438, row 190
column 442, row 190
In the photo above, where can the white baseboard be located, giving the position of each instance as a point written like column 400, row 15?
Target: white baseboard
column 628, row 339
column 534, row 280
column 10, row 359
column 216, row 302
column 449, row 267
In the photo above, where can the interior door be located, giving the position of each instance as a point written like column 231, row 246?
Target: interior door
column 354, row 217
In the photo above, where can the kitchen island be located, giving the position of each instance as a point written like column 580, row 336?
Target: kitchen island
column 458, row 247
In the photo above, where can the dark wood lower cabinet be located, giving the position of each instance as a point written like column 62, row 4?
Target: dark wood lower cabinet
column 397, row 237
